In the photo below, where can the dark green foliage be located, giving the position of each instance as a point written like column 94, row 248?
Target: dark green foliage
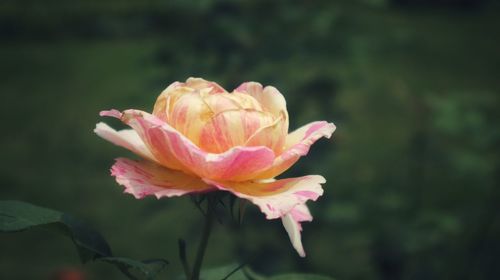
column 19, row 216
column 412, row 171
column 240, row 272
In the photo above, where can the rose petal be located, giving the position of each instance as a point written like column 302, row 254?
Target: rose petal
column 291, row 222
column 111, row 113
column 232, row 128
column 276, row 198
column 297, row 145
column 199, row 83
column 161, row 152
column 167, row 98
column 272, row 136
column 166, row 101
column 269, row 97
column 283, row 199
column 126, row 138
column 188, row 116
column 230, row 101
column 174, row 150
column 143, row 178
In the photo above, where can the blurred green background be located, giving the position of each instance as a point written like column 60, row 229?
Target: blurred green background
column 413, row 169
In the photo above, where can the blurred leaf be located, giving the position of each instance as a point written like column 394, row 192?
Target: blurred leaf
column 237, row 272
column 148, row 268
column 231, row 272
column 299, row 277
column 18, row 216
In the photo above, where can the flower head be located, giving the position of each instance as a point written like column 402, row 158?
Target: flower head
column 201, row 138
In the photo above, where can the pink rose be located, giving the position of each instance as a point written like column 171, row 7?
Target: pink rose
column 201, row 138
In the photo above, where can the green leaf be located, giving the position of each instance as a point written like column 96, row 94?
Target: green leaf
column 252, row 275
column 148, row 268
column 239, row 272
column 293, row 276
column 230, row 272
column 19, row 216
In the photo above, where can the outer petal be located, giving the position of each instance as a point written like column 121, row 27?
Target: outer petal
column 126, row 138
column 283, row 199
column 174, row 150
column 276, row 198
column 142, row 178
column 297, row 145
column 164, row 158
column 291, row 222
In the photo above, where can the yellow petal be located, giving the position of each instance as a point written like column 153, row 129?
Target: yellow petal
column 232, row 128
column 269, row 98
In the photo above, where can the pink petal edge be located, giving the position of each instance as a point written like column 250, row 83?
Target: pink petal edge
column 143, row 178
column 288, row 204
column 111, row 113
column 276, row 198
column 297, row 145
column 126, row 138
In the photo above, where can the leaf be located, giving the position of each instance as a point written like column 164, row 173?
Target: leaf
column 237, row 272
column 230, row 272
column 19, row 216
column 148, row 268
column 293, row 276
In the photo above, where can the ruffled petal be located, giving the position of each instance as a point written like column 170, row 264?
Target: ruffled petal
column 161, row 153
column 143, row 178
column 276, row 198
column 291, row 222
column 283, row 199
column 175, row 151
column 297, row 145
column 126, row 138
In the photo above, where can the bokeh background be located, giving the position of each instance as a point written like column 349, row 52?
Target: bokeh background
column 413, row 169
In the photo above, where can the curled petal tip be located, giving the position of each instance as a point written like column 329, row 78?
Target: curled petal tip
column 331, row 129
column 111, row 113
column 292, row 223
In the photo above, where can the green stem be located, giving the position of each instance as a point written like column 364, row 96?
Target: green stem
column 209, row 219
column 183, row 257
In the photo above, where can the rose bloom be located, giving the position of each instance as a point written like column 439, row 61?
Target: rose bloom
column 200, row 138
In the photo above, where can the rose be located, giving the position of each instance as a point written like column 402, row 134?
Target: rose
column 201, row 138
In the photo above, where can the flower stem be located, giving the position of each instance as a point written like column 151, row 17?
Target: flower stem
column 207, row 228
column 183, row 257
